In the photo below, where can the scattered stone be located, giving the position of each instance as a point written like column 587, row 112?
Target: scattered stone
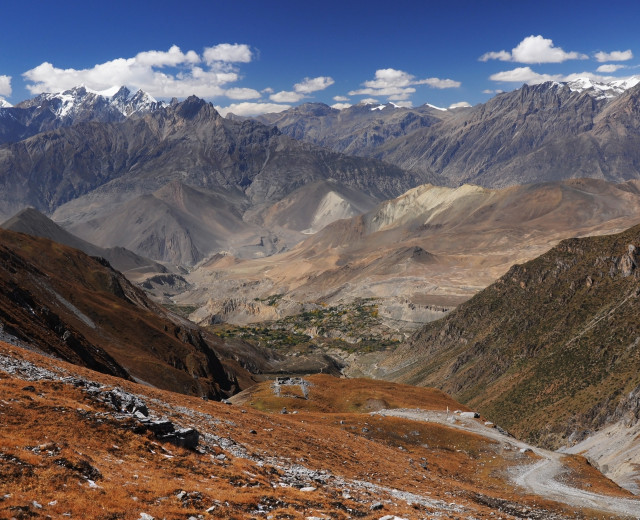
column 253, row 432
column 376, row 506
column 284, row 411
column 145, row 516
column 29, row 388
column 307, row 489
column 470, row 415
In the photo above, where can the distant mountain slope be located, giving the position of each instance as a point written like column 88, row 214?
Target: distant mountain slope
column 550, row 351
column 356, row 130
column 61, row 301
column 544, row 132
column 421, row 253
column 34, row 223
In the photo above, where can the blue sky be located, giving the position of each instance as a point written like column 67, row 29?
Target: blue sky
column 252, row 56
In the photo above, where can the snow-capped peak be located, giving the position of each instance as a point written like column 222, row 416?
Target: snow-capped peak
column 80, row 102
column 382, row 107
column 4, row 103
column 601, row 90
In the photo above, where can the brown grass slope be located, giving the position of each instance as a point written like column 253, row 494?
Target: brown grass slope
column 64, row 453
column 77, row 307
column 548, row 351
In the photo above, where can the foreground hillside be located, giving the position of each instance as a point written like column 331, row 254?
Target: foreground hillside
column 75, row 443
column 550, row 350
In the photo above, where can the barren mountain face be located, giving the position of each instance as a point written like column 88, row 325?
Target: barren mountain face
column 419, row 254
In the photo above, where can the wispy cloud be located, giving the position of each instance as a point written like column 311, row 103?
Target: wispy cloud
column 5, row 86
column 251, row 109
column 614, row 56
column 205, row 76
column 610, row 67
column 534, row 49
column 460, row 104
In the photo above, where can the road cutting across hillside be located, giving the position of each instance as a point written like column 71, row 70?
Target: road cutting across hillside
column 541, row 477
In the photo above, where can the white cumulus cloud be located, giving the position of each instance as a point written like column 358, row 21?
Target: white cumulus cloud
column 340, row 98
column 163, row 74
column 534, row 49
column 614, row 56
column 5, row 85
column 251, row 109
column 228, row 53
column 398, row 85
column 340, row 106
column 242, row 93
column 309, row 85
column 524, row 75
column 286, row 96
column 527, row 75
column 303, row 89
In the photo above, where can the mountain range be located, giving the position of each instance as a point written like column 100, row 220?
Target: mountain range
column 92, row 173
column 338, row 216
column 47, row 112
column 537, row 133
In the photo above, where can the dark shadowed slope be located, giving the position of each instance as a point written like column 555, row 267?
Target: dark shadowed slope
column 63, row 302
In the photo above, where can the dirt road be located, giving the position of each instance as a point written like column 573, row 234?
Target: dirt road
column 541, row 477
